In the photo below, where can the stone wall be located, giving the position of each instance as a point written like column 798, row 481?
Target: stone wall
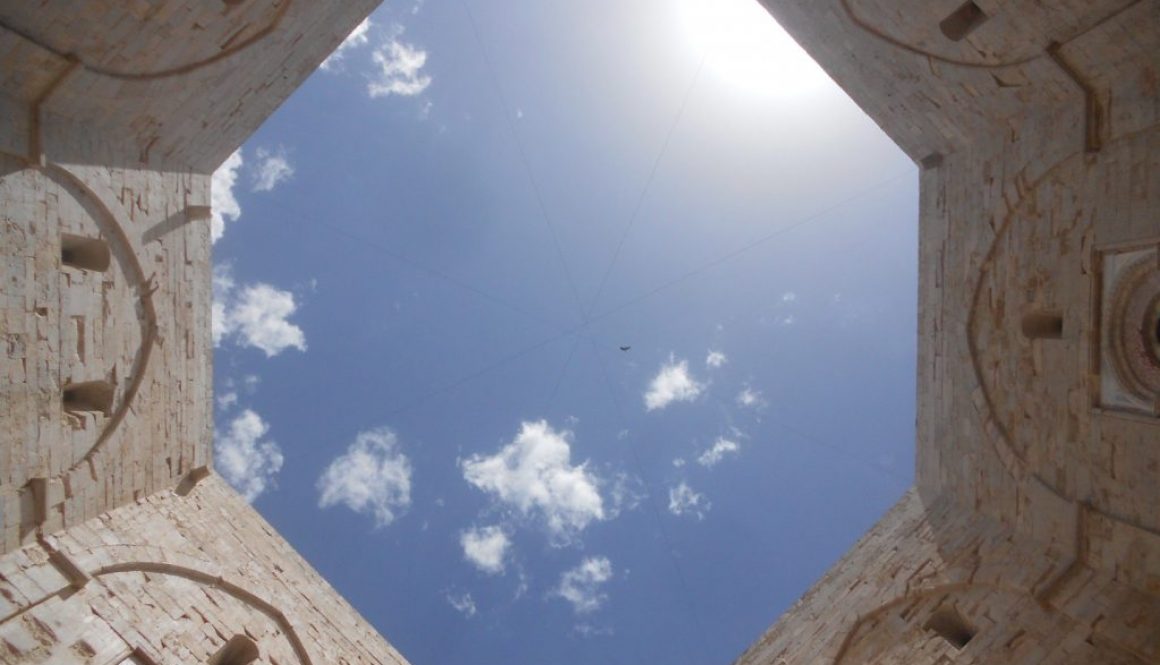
column 932, row 584
column 172, row 85
column 1036, row 520
column 171, row 579
column 117, row 542
column 139, row 328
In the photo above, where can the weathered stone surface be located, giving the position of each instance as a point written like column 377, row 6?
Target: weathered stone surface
column 116, row 546
column 1036, row 516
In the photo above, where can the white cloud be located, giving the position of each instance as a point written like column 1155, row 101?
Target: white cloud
column 581, row 585
column 721, row 448
column 716, row 359
column 672, row 384
column 371, row 477
column 227, row 399
column 625, row 492
column 588, row 630
column 750, row 398
column 463, row 604
column 679, row 462
column 486, row 548
column 243, row 459
column 788, row 296
column 272, row 168
column 399, row 69
column 254, row 315
column 534, row 475
column 684, row 501
column 222, row 200
column 358, row 37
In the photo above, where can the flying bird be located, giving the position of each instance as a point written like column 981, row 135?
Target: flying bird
column 625, row 348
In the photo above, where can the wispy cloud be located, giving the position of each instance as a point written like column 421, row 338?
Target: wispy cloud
column 485, row 548
column 535, row 476
column 372, row 477
column 721, row 447
column 625, row 492
column 399, row 68
column 581, row 586
column 253, row 315
column 716, row 359
column 272, row 169
column 673, row 383
column 243, row 459
column 750, row 398
column 222, row 200
column 227, row 399
column 358, row 37
column 684, row 501
column 463, row 603
column 788, row 296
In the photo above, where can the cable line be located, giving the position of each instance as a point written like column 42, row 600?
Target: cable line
column 507, row 115
column 647, row 185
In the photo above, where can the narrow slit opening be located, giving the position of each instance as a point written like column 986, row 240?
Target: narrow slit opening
column 84, row 253
column 1042, row 325
column 963, row 21
column 89, row 397
column 947, row 623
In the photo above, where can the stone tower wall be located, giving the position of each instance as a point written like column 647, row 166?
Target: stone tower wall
column 1035, row 518
column 117, row 542
column 171, row 579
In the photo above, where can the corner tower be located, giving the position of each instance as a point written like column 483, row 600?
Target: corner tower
column 117, row 542
column 1033, row 534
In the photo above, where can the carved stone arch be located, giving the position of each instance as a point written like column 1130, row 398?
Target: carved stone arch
column 217, row 583
column 964, row 34
column 125, row 254
column 896, row 626
column 1022, row 382
column 198, row 35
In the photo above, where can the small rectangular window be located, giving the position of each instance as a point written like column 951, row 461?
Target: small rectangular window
column 963, row 21
column 88, row 397
column 1042, row 325
column 84, row 253
column 948, row 624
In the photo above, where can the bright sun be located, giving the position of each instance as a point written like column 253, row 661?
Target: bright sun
column 743, row 45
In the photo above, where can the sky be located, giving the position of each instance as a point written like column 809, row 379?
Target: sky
column 557, row 332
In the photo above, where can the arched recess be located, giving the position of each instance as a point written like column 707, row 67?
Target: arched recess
column 1043, row 430
column 127, row 256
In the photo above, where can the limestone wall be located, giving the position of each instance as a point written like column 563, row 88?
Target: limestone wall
column 117, row 544
column 170, row 579
column 174, row 84
column 136, row 323
column 933, row 584
column 1038, row 442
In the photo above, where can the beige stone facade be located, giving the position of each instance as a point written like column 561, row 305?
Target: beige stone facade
column 119, row 545
column 1032, row 535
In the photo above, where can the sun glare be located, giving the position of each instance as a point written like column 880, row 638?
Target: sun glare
column 742, row 44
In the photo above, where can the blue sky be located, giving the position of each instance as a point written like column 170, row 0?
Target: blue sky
column 426, row 264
